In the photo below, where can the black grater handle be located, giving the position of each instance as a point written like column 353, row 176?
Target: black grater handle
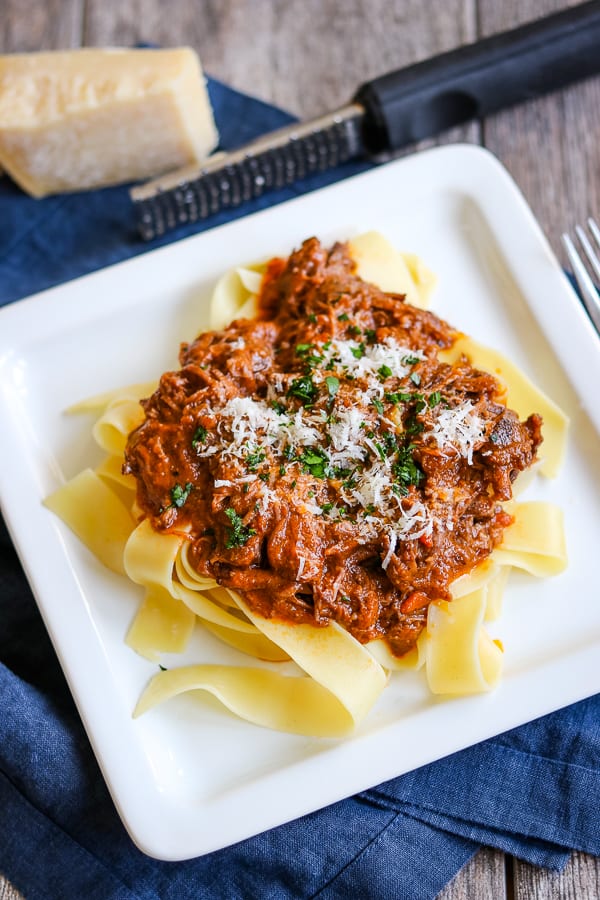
column 478, row 79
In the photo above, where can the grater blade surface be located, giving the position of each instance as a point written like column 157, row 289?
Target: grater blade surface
column 228, row 180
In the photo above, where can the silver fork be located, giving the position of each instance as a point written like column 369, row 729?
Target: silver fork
column 589, row 292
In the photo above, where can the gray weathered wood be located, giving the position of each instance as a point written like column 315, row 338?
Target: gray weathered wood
column 28, row 25
column 481, row 879
column 551, row 146
column 307, row 56
column 580, row 880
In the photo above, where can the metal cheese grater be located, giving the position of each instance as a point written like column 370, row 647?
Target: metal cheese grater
column 386, row 114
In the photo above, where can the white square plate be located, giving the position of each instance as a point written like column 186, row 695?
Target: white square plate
column 189, row 778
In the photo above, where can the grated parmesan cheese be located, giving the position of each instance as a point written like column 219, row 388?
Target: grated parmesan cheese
column 341, row 436
column 390, row 551
column 459, row 427
column 345, row 356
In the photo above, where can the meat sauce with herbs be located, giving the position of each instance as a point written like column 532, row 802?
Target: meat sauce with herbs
column 323, row 461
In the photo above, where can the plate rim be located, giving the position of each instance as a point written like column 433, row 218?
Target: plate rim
column 482, row 165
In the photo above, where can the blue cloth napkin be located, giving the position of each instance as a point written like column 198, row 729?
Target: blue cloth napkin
column 532, row 792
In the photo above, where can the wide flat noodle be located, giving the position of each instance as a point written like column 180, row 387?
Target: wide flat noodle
column 523, row 396
column 461, row 656
column 330, row 655
column 536, row 540
column 382, row 264
column 495, row 593
column 111, row 469
column 205, row 608
column 235, row 295
column 188, row 576
column 162, row 625
column 254, row 644
column 151, row 560
column 298, row 705
column 116, row 423
column 96, row 515
column 99, row 402
column 380, row 651
column 474, row 579
column 150, row 555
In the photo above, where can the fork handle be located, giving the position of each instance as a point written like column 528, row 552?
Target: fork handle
column 481, row 78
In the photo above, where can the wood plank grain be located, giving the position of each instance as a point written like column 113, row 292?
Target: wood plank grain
column 483, row 878
column 551, row 146
column 28, row 25
column 307, row 56
column 579, row 880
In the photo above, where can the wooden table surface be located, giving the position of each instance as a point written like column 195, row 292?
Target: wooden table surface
column 308, row 56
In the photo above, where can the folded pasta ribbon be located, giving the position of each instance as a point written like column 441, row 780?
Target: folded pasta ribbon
column 341, row 684
column 298, row 705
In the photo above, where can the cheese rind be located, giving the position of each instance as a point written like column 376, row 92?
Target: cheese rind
column 82, row 119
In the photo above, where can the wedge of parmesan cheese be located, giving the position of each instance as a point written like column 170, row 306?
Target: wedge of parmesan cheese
column 88, row 118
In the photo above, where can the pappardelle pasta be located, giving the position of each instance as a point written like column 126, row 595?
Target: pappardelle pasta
column 328, row 482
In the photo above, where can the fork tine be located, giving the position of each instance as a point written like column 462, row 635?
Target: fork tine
column 588, row 249
column 595, row 231
column 589, row 294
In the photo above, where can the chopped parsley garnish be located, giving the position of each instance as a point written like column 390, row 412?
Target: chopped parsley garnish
column 400, row 397
column 385, row 371
column 303, row 389
column 312, row 318
column 199, row 436
column 378, row 405
column 343, row 318
column 238, row 533
column 410, row 360
column 380, row 450
column 333, row 385
column 369, row 333
column 413, row 426
column 391, row 442
column 406, row 470
column 308, row 353
column 315, row 461
column 278, row 407
column 254, row 458
column 415, row 378
column 434, row 399
column 179, row 494
column 358, row 352
column 354, row 329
